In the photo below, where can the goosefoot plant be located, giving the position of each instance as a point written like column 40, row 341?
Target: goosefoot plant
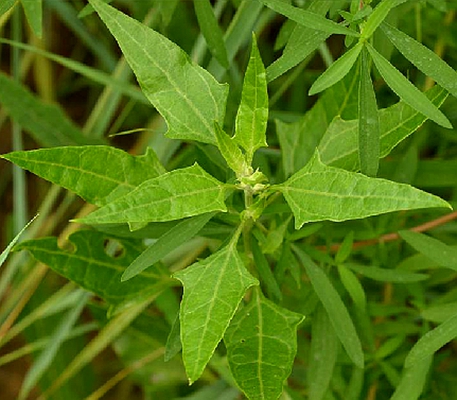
column 232, row 295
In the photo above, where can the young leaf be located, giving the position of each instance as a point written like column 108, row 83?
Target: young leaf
column 231, row 152
column 47, row 123
column 337, row 71
column 178, row 194
column 33, row 10
column 187, row 96
column 423, row 58
column 378, row 15
column 93, row 269
column 213, row 289
column 323, row 354
column 318, row 192
column 211, row 31
column 308, row 19
column 169, row 241
column 261, row 344
column 406, row 90
column 413, row 380
column 252, row 116
column 369, row 142
column 99, row 174
column 442, row 254
column 336, row 310
column 339, row 145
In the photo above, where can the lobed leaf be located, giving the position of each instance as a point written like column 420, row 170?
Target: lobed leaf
column 99, row 174
column 47, row 123
column 339, row 144
column 337, row 71
column 368, row 138
column 336, row 310
column 261, row 344
column 252, row 117
column 406, row 90
column 442, row 254
column 423, row 58
column 318, row 192
column 186, row 95
column 94, row 270
column 213, row 289
column 177, row 194
column 308, row 19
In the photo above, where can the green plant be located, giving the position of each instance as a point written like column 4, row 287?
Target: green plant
column 220, row 216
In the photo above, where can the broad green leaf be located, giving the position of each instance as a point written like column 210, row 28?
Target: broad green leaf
column 406, row 90
column 169, row 241
column 5, row 5
column 11, row 244
column 423, row 58
column 299, row 139
column 46, row 357
column 252, row 116
column 386, row 274
column 378, row 15
column 34, row 13
column 231, row 152
column 369, row 141
column 442, row 254
column 261, row 345
column 302, row 43
column 322, row 355
column 178, row 194
column 308, row 19
column 211, row 31
column 413, row 380
column 99, row 174
column 93, row 269
column 339, row 145
column 47, row 123
column 187, row 96
column 318, row 192
column 336, row 310
column 213, row 289
column 337, row 71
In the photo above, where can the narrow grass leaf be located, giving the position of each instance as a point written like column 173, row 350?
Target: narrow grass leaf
column 211, row 31
column 11, row 244
column 386, row 274
column 186, row 95
column 353, row 287
column 267, row 279
column 261, row 344
column 423, row 58
column 33, row 10
column 369, row 136
column 213, row 289
column 45, row 359
column 252, row 116
column 99, row 174
column 322, row 355
column 177, row 194
column 406, row 90
column 173, row 345
column 336, row 310
column 308, row 19
column 318, row 192
column 231, row 152
column 337, row 71
column 413, row 380
column 168, row 242
column 442, row 254
column 378, row 15
column 47, row 123
column 93, row 269
column 339, row 144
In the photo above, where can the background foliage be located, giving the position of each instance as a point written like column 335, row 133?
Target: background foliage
column 260, row 141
